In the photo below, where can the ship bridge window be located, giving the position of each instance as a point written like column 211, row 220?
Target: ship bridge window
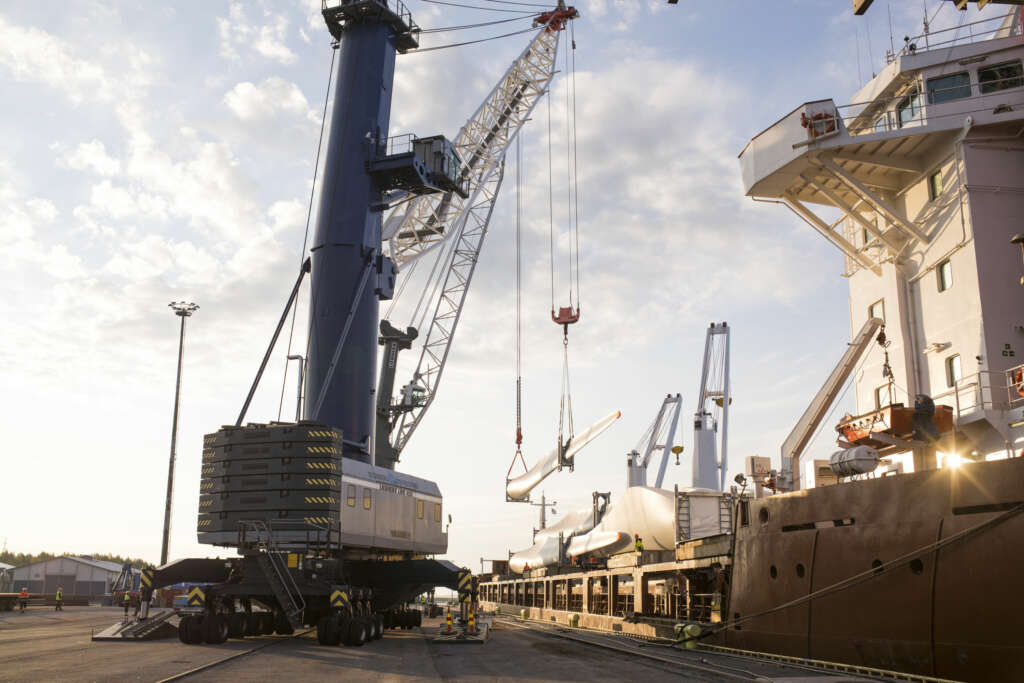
column 437, row 512
column 935, row 185
column 944, row 274
column 954, row 372
column 882, row 123
column 948, row 88
column 367, row 499
column 1001, row 77
column 909, row 108
column 351, row 498
column 419, row 509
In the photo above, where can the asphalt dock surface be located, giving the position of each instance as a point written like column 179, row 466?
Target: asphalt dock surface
column 43, row 644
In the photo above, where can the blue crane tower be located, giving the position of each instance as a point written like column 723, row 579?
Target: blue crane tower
column 362, row 171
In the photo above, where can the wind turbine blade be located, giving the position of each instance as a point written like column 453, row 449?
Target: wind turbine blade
column 520, row 487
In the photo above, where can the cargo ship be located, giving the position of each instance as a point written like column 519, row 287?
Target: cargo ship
column 900, row 552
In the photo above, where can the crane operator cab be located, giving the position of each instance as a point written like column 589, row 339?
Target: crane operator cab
column 419, row 166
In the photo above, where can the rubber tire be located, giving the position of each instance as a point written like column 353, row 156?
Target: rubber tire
column 282, row 626
column 238, row 624
column 418, row 620
column 267, row 623
column 183, row 629
column 371, row 629
column 195, row 629
column 252, row 624
column 356, row 633
column 323, row 629
column 215, row 629
column 379, row 621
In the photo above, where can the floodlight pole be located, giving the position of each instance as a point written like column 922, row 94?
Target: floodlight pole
column 183, row 310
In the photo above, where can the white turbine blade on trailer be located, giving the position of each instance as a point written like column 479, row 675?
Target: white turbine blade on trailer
column 520, row 487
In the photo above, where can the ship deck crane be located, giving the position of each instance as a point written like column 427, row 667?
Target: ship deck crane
column 709, row 458
column 659, row 436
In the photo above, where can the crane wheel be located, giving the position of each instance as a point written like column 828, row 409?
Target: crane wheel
column 418, row 619
column 267, row 623
column 252, row 624
column 183, row 629
column 356, row 632
column 379, row 621
column 238, row 624
column 215, row 629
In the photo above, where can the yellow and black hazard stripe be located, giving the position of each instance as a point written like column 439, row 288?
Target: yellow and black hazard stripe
column 322, row 450
column 339, row 598
column 206, row 485
column 321, row 466
column 209, row 439
column 207, row 469
column 320, row 499
column 315, row 481
column 203, row 523
column 323, row 433
column 318, row 520
column 196, row 597
column 147, row 578
column 208, row 453
column 205, row 501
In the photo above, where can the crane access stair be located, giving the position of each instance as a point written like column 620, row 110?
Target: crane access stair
column 275, row 570
column 156, row 626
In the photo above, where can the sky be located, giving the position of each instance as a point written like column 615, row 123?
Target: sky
column 152, row 153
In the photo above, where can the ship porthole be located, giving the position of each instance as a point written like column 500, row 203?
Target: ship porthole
column 917, row 566
column 773, row 572
column 800, row 570
column 877, row 566
column 762, row 515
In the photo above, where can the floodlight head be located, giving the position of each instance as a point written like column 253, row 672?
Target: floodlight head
column 183, row 309
column 740, row 479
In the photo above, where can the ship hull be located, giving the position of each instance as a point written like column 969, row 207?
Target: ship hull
column 953, row 612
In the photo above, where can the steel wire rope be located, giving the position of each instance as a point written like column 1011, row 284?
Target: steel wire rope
column 305, row 237
column 469, row 42
column 471, row 26
column 487, row 9
column 576, row 166
column 524, row 4
column 568, row 170
column 551, row 211
column 519, row 298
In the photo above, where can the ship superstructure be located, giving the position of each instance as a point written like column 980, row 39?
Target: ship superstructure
column 925, row 169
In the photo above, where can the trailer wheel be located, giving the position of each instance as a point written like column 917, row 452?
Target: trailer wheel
column 215, row 629
column 252, row 624
column 238, row 624
column 281, row 625
column 379, row 621
column 327, row 631
column 267, row 623
column 419, row 619
column 356, row 632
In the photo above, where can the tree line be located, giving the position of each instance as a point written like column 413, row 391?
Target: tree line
column 21, row 559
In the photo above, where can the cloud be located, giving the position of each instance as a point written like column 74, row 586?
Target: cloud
column 273, row 97
column 32, row 55
column 91, row 155
column 268, row 39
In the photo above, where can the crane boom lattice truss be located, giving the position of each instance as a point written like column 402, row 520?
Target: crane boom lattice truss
column 482, row 143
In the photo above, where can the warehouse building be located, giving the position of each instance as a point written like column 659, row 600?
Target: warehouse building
column 82, row 576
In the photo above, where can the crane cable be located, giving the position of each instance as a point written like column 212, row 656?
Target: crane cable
column 566, row 317
column 519, row 286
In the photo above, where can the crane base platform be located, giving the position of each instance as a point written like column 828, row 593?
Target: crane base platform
column 156, row 627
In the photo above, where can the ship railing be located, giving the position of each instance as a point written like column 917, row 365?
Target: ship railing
column 981, row 391
column 1015, row 386
column 977, row 31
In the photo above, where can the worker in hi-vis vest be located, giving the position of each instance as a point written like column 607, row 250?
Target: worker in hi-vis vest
column 59, row 600
column 23, row 599
column 638, row 543
column 127, row 602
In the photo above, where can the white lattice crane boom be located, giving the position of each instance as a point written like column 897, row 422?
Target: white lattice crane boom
column 432, row 221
